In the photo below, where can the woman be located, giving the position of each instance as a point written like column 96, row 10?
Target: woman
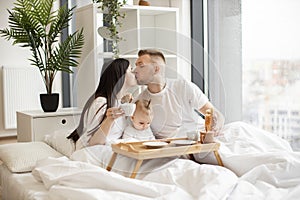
column 101, row 121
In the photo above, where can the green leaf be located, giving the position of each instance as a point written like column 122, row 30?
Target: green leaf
column 60, row 22
column 67, row 51
column 34, row 25
column 42, row 11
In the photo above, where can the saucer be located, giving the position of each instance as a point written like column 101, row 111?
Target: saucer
column 155, row 144
column 183, row 142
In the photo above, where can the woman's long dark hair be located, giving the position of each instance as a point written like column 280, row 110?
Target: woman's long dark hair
column 111, row 81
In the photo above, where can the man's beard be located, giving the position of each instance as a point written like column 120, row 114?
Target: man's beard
column 141, row 82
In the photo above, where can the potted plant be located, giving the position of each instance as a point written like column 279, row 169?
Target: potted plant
column 33, row 24
column 113, row 18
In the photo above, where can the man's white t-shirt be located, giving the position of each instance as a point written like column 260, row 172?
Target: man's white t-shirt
column 174, row 106
column 92, row 118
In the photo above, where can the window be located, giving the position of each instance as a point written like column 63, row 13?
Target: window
column 197, row 43
column 254, row 45
column 271, row 66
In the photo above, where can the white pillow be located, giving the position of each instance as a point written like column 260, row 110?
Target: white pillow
column 22, row 156
column 58, row 141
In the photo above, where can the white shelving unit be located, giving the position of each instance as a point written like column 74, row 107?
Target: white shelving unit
column 143, row 27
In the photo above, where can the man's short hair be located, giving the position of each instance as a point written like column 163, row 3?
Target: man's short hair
column 153, row 53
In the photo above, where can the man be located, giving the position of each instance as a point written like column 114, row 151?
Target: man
column 173, row 101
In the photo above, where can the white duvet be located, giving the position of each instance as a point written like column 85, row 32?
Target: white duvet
column 258, row 165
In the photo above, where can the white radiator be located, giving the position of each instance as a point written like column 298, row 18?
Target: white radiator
column 21, row 89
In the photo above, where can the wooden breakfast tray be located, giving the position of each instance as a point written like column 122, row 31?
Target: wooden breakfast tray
column 140, row 152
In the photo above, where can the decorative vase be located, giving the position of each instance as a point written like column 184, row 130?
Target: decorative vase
column 49, row 102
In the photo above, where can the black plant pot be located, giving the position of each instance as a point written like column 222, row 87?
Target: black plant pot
column 49, row 102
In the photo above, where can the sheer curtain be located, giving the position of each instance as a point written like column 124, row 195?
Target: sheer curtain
column 253, row 64
column 225, row 57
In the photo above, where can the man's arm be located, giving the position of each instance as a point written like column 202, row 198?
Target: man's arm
column 205, row 107
column 218, row 118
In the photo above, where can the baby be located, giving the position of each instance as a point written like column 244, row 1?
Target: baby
column 141, row 119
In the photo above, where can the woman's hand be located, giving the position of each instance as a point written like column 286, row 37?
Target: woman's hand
column 114, row 113
column 99, row 136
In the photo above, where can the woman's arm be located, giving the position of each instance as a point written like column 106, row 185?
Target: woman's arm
column 99, row 137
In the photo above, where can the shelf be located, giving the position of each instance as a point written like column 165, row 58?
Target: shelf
column 149, row 10
column 129, row 56
column 110, row 55
column 143, row 27
column 105, row 55
column 144, row 10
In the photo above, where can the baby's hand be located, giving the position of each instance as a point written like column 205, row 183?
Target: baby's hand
column 127, row 98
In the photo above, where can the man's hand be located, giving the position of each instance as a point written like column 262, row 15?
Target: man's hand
column 218, row 121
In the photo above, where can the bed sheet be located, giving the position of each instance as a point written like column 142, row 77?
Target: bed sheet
column 258, row 165
column 21, row 186
column 244, row 147
column 182, row 179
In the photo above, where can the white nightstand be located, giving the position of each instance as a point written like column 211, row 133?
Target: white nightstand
column 34, row 125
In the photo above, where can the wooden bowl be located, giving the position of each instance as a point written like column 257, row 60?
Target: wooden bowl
column 144, row 3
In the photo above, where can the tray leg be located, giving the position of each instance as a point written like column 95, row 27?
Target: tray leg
column 136, row 168
column 112, row 161
column 219, row 160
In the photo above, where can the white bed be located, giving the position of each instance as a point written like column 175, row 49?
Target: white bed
column 20, row 186
column 258, row 165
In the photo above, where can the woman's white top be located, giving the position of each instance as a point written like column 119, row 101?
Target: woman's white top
column 92, row 119
column 173, row 108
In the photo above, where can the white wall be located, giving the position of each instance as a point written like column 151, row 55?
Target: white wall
column 13, row 56
column 10, row 56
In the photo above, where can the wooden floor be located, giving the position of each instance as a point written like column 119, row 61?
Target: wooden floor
column 7, row 140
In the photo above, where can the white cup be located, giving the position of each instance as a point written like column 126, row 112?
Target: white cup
column 128, row 108
column 193, row 135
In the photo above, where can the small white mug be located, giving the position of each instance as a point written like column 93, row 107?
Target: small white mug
column 193, row 135
column 128, row 108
